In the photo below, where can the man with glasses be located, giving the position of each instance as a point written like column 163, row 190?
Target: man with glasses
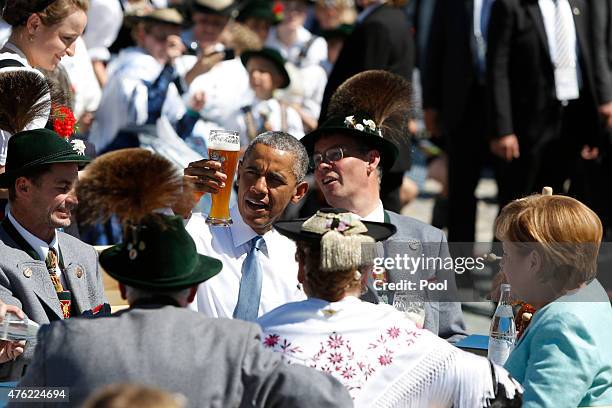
column 349, row 155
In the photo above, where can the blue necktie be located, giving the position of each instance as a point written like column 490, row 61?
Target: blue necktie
column 250, row 283
column 485, row 14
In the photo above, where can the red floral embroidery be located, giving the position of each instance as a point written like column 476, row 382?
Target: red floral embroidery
column 393, row 332
column 335, row 341
column 335, row 358
column 385, row 359
column 348, row 373
column 271, row 340
column 335, row 354
column 286, row 347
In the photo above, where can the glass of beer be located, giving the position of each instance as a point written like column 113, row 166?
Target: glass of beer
column 224, row 147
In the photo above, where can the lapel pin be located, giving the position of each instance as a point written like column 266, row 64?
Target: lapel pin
column 27, row 272
column 79, row 272
column 576, row 11
column 414, row 245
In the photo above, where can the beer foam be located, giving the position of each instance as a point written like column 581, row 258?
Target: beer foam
column 224, row 140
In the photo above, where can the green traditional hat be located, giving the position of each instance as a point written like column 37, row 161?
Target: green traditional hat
column 34, row 148
column 222, row 7
column 271, row 55
column 160, row 255
column 261, row 9
column 343, row 237
column 342, row 31
column 160, row 16
column 362, row 128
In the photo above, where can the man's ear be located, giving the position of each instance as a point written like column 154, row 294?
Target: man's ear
column 122, row 291
column 300, row 192
column 138, row 34
column 22, row 186
column 373, row 158
column 238, row 171
column 193, row 291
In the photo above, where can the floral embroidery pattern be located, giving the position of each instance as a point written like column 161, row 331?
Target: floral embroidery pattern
column 271, row 340
column 336, row 356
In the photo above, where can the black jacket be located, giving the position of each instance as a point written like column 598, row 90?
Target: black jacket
column 520, row 74
column 381, row 41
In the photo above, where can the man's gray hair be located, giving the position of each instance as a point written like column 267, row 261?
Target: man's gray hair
column 133, row 294
column 287, row 143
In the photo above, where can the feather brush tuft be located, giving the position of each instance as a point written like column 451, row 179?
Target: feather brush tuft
column 380, row 95
column 23, row 99
column 129, row 183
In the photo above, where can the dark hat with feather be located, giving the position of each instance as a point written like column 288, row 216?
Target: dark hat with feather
column 373, row 107
column 157, row 253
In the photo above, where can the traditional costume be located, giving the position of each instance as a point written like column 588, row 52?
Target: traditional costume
column 221, row 362
column 378, row 353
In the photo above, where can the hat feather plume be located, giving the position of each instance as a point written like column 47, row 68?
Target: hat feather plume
column 381, row 96
column 131, row 183
column 23, row 99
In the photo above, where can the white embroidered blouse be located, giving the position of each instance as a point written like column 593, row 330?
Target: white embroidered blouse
column 379, row 354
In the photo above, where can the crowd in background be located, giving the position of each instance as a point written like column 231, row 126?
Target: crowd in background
column 479, row 104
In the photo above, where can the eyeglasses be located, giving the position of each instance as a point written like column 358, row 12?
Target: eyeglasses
column 333, row 154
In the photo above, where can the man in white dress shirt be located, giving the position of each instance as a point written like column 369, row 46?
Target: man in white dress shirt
column 270, row 176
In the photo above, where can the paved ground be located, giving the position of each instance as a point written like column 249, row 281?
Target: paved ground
column 476, row 314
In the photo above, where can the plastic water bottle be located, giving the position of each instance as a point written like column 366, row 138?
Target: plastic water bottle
column 14, row 328
column 502, row 334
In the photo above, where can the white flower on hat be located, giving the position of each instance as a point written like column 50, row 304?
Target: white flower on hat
column 350, row 121
column 78, row 146
column 359, row 127
column 370, row 123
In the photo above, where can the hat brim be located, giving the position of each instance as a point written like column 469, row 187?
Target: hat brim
column 226, row 12
column 10, row 176
column 135, row 19
column 388, row 150
column 247, row 55
column 293, row 230
column 115, row 261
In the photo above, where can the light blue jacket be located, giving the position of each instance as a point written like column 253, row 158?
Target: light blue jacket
column 564, row 359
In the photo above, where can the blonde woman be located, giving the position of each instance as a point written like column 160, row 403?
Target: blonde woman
column 564, row 358
column 43, row 31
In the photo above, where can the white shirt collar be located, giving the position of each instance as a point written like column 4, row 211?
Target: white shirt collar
column 378, row 215
column 241, row 232
column 40, row 246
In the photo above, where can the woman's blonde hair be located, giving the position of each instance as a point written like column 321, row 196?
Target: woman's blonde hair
column 564, row 231
column 17, row 12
